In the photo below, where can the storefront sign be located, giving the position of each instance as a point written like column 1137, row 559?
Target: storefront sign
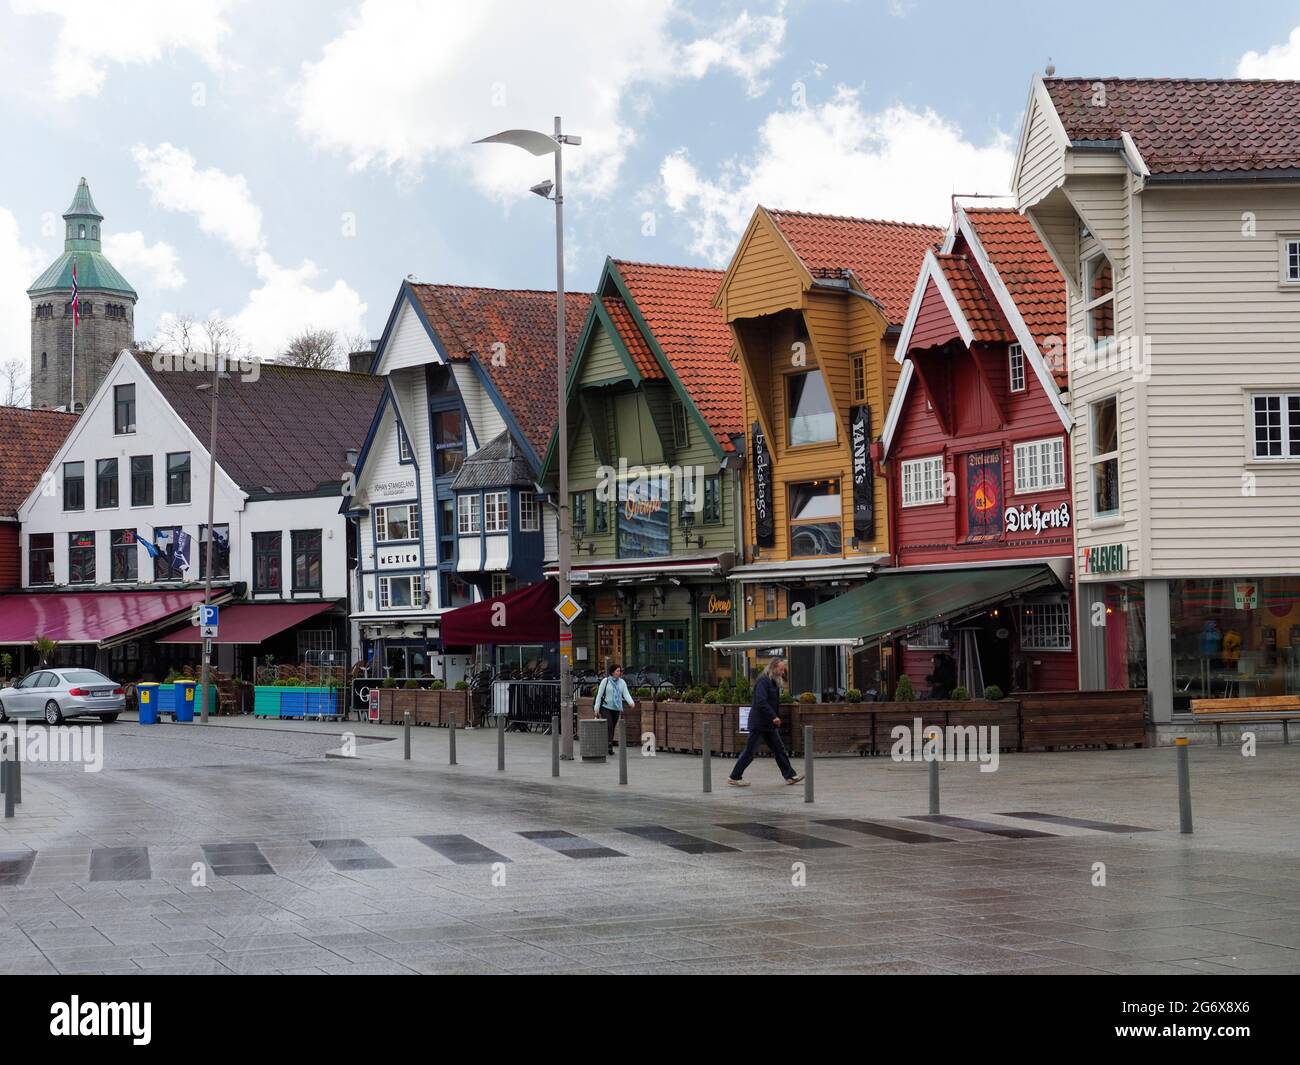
column 864, row 525
column 397, row 557
column 1035, row 520
column 400, row 487
column 764, row 521
column 983, row 496
column 1108, row 558
column 1245, row 595
column 643, row 512
column 718, row 606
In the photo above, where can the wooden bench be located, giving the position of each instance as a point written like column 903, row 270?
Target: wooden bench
column 1263, row 708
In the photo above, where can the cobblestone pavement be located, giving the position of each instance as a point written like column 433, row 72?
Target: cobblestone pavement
column 241, row 847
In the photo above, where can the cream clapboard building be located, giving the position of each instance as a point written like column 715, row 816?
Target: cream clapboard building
column 1173, row 209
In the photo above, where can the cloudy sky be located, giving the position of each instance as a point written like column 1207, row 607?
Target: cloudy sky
column 287, row 164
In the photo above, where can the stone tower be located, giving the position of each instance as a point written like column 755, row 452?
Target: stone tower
column 107, row 312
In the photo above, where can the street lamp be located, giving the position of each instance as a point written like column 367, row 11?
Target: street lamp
column 207, row 550
column 546, row 144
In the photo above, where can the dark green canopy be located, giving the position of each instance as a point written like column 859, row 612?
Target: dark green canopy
column 894, row 602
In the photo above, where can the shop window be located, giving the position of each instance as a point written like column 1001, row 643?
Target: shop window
column 1045, row 626
column 40, row 558
column 922, row 481
column 1040, row 465
column 106, row 484
column 1016, row 367
column 220, row 552
column 396, row 523
column 816, row 518
column 125, row 561
column 530, row 512
column 401, row 593
column 306, row 544
column 267, row 561
column 812, row 419
column 496, row 512
column 467, row 515
column 1103, row 457
column 74, row 486
column 81, row 558
column 1276, row 425
column 141, row 480
column 178, row 477
column 1099, row 310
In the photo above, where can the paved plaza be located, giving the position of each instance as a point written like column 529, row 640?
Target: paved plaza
column 248, row 846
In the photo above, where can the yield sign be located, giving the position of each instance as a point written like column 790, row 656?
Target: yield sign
column 568, row 609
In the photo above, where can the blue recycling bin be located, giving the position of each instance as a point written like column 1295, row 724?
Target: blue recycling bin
column 185, row 700
column 147, row 698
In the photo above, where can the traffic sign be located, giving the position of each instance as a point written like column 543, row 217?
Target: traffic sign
column 568, row 609
column 208, row 621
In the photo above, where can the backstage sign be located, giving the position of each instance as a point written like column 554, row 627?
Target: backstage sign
column 864, row 525
column 764, row 521
column 1035, row 519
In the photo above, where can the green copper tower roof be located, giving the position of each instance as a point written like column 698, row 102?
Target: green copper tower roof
column 82, row 241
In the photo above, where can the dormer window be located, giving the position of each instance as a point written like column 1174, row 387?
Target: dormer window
column 1100, row 294
column 403, row 446
column 1016, row 367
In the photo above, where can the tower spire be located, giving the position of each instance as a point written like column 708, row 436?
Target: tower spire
column 82, row 219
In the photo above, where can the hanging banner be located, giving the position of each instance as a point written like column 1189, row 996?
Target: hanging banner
column 764, row 527
column 643, row 509
column 864, row 523
column 983, row 496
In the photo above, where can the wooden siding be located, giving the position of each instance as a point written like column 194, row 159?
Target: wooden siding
column 766, row 277
column 10, row 555
column 601, row 362
column 1042, row 167
column 408, row 344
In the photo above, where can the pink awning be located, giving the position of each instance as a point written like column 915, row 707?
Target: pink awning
column 251, row 623
column 87, row 617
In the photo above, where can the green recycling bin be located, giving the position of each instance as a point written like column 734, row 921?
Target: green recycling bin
column 185, row 700
column 147, row 699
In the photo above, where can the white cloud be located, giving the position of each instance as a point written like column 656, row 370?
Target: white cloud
column 222, row 203
column 287, row 303
column 95, row 33
column 157, row 265
column 408, row 84
column 20, row 265
column 836, row 158
column 1280, row 61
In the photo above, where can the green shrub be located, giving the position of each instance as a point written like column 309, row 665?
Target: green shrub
column 411, row 684
column 743, row 688
column 388, row 682
column 461, row 685
column 172, row 677
column 903, row 691
column 693, row 695
column 787, row 697
column 960, row 693
column 710, row 697
column 807, row 697
column 993, row 693
column 726, row 693
column 437, row 685
column 853, row 695
column 642, row 692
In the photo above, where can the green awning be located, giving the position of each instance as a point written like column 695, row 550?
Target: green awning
column 894, row 602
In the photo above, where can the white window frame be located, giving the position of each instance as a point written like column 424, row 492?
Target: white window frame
column 386, row 594
column 496, row 512
column 1090, row 305
column 412, row 521
column 1286, row 420
column 1046, row 625
column 403, row 446
column 922, row 481
column 498, row 585
column 468, row 515
column 1016, row 367
column 929, row 638
column 1033, row 458
column 530, row 512
column 1095, row 459
column 1288, row 254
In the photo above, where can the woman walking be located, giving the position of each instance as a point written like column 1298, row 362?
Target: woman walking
column 764, row 720
column 611, row 698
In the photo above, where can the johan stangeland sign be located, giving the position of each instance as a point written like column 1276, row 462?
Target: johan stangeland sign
column 1034, row 519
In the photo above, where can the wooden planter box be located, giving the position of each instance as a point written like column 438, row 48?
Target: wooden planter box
column 425, row 705
column 680, row 726
column 1083, row 719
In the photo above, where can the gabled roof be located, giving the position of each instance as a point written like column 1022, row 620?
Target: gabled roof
column 286, row 433
column 676, row 305
column 884, row 257
column 1031, row 277
column 470, row 322
column 981, row 314
column 1187, row 125
column 29, row 440
column 630, row 334
column 498, row 464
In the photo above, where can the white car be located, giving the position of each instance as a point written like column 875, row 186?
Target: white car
column 55, row 694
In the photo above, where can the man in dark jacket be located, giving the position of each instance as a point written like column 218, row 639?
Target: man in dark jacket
column 764, row 720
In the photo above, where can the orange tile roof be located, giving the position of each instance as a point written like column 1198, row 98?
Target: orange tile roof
column 632, row 338
column 29, row 440
column 676, row 303
column 885, row 257
column 981, row 313
column 1031, row 277
column 469, row 321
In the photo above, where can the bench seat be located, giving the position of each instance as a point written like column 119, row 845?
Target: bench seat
column 1283, row 708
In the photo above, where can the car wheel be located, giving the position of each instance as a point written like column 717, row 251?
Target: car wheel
column 107, row 719
column 53, row 715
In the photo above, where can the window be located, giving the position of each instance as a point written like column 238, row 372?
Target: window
column 812, row 421
column 600, row 514
column 74, row 486
column 141, row 480
column 267, row 561
column 1040, row 465
column 680, row 433
column 124, row 562
column 40, row 558
column 500, row 584
column 178, row 477
column 816, row 518
column 306, row 560
column 932, row 637
column 165, row 541
column 455, row 591
column 399, row 522
column 769, row 600
column 81, row 558
column 1045, row 626
column 496, row 512
column 858, row 376
column 1016, row 364
column 123, row 409
column 1100, row 294
column 578, row 511
column 220, row 552
column 922, row 481
column 403, row 446
column 449, row 441
column 1276, row 426
column 398, row 593
column 106, row 483
column 530, row 512
column 81, row 232
column 467, row 515
column 712, row 514
column 1291, row 259
column 447, row 527
column 1104, row 457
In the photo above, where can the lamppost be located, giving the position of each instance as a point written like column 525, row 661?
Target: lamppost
column 546, row 144
column 207, row 550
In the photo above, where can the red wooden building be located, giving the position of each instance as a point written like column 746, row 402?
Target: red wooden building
column 977, row 449
column 28, row 441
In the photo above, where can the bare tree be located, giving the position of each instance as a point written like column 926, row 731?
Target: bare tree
column 314, row 349
column 15, row 385
column 185, row 335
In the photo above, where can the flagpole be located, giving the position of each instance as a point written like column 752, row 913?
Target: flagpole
column 72, row 388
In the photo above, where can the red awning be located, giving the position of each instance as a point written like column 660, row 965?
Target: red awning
column 87, row 617
column 526, row 615
column 251, row 623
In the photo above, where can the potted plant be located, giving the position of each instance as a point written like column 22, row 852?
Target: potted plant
column 993, row 693
column 903, row 691
column 960, row 694
column 44, row 648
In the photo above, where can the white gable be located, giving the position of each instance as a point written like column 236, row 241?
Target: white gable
column 408, row 343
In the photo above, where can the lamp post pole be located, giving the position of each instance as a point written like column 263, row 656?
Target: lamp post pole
column 565, row 529
column 207, row 549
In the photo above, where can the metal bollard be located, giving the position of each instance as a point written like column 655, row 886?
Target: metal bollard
column 406, row 728
column 934, row 779
column 707, row 740
column 555, row 745
column 16, row 779
column 1184, row 787
column 622, row 750
column 9, row 789
column 807, row 763
column 501, row 742
column 451, row 745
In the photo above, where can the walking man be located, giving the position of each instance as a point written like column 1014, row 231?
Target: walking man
column 764, row 720
column 611, row 697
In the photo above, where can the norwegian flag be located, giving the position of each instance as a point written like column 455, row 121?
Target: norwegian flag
column 76, row 309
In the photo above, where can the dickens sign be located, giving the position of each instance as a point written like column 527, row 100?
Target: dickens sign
column 1035, row 519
